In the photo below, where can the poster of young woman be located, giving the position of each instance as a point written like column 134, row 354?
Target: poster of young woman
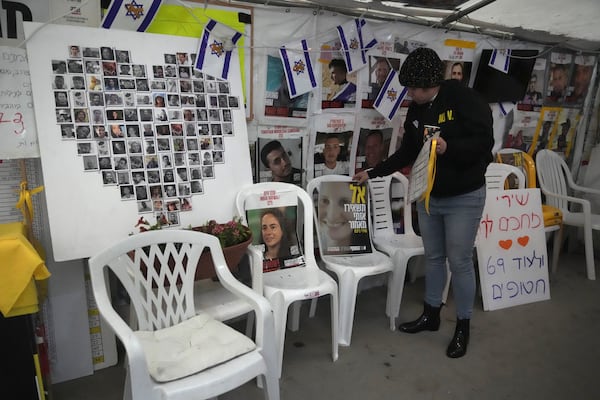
column 342, row 212
column 272, row 217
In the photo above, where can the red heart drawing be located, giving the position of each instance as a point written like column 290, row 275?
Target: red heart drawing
column 505, row 244
column 523, row 240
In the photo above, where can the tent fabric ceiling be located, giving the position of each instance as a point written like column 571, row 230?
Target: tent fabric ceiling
column 570, row 24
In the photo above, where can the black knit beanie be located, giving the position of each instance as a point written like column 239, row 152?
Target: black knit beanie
column 422, row 69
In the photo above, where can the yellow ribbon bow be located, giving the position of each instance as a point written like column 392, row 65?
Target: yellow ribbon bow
column 430, row 173
column 25, row 204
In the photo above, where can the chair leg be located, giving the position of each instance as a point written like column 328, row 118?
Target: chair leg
column 271, row 386
column 556, row 245
column 280, row 308
column 335, row 339
column 313, row 307
column 348, row 289
column 589, row 252
column 293, row 323
column 396, row 288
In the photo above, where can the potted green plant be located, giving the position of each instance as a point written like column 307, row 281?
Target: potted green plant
column 234, row 236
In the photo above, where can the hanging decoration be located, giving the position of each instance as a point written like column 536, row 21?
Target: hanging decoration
column 357, row 39
column 298, row 68
column 131, row 15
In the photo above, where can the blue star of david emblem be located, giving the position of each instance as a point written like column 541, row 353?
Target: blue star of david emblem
column 299, row 67
column 134, row 10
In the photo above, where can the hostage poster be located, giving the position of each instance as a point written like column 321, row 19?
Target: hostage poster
column 342, row 212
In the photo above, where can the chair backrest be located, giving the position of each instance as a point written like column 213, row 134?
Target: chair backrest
column 496, row 175
column 274, row 190
column 157, row 270
column 554, row 177
column 520, row 159
column 381, row 191
column 313, row 188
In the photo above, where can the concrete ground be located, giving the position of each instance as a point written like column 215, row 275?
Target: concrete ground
column 543, row 350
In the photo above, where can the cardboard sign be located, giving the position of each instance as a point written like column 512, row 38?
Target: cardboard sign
column 511, row 249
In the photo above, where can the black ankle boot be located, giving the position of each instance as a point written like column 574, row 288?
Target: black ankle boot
column 428, row 321
column 458, row 345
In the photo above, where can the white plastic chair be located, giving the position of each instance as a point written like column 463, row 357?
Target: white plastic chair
column 496, row 175
column 560, row 189
column 399, row 246
column 284, row 287
column 178, row 353
column 524, row 162
column 350, row 269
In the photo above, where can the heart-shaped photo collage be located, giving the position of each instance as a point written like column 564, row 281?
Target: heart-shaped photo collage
column 155, row 131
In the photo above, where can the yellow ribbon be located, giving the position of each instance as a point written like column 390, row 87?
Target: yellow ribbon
column 430, row 174
column 25, row 204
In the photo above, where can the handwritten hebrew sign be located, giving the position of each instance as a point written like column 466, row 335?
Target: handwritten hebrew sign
column 511, row 249
column 18, row 135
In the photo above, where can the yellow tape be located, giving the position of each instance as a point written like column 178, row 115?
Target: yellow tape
column 467, row 44
column 431, row 165
column 25, row 204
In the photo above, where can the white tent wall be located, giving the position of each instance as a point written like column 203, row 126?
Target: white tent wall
column 274, row 27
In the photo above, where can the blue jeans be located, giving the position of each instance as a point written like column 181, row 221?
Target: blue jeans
column 448, row 232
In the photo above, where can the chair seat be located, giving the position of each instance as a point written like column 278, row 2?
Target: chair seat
column 190, row 347
column 375, row 261
column 390, row 243
column 295, row 278
column 221, row 304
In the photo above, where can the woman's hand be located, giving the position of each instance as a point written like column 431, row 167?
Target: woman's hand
column 441, row 146
column 361, row 177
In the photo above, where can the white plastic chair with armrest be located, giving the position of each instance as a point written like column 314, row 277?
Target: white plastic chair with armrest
column 284, row 287
column 178, row 352
column 349, row 269
column 399, row 246
column 559, row 187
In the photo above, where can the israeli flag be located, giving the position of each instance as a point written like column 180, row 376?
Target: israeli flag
column 131, row 15
column 356, row 38
column 298, row 68
column 500, row 60
column 215, row 49
column 390, row 96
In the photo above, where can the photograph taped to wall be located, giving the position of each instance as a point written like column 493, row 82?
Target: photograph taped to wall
column 580, row 79
column 338, row 87
column 535, row 88
column 332, row 153
column 278, row 102
column 559, row 76
column 372, row 148
column 279, row 160
column 127, row 122
column 379, row 69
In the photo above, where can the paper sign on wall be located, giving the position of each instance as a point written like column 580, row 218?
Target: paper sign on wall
column 18, row 135
column 511, row 249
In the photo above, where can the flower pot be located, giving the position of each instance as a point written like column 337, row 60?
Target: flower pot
column 233, row 256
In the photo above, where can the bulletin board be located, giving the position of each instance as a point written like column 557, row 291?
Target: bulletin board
column 511, row 249
column 88, row 208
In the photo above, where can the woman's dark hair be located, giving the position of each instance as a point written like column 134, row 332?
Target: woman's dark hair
column 284, row 247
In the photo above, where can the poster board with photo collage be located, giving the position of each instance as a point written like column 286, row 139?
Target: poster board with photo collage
column 132, row 130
